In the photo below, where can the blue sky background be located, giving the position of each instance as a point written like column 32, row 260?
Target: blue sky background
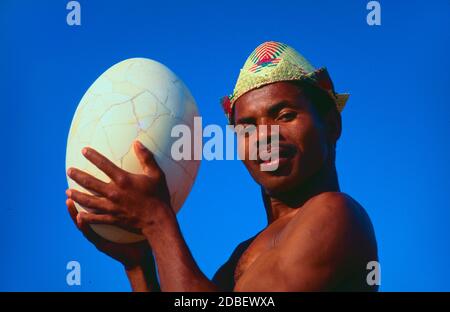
column 392, row 157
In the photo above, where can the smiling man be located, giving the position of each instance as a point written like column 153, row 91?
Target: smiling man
column 316, row 239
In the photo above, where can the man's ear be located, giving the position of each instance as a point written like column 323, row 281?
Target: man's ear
column 333, row 124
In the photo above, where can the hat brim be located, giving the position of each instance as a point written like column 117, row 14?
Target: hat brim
column 341, row 100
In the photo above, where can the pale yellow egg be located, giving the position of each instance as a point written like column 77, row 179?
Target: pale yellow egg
column 135, row 99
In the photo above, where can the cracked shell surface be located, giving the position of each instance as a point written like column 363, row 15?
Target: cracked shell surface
column 135, row 99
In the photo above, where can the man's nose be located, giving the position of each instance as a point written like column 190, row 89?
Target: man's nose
column 268, row 133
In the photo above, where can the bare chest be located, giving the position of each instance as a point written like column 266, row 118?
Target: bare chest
column 265, row 241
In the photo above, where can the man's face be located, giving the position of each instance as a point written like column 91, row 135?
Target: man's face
column 303, row 146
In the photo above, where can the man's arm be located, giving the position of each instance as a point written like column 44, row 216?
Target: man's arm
column 177, row 269
column 317, row 250
column 313, row 250
column 143, row 277
column 136, row 258
column 138, row 202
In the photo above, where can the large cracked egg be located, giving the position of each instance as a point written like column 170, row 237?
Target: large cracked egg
column 135, row 99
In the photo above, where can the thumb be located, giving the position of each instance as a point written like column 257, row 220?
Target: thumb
column 146, row 159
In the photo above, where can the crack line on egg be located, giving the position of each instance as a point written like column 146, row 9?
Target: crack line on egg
column 170, row 157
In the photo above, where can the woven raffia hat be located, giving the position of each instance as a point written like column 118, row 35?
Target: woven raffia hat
column 273, row 62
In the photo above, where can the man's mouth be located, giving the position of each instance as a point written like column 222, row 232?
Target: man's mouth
column 277, row 155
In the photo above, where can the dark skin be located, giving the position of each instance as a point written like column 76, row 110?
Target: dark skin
column 317, row 238
column 136, row 258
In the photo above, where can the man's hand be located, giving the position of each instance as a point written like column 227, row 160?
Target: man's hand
column 131, row 201
column 137, row 258
column 140, row 203
column 130, row 255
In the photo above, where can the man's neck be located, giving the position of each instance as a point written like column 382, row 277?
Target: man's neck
column 279, row 205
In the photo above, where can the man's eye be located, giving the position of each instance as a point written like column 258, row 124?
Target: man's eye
column 287, row 116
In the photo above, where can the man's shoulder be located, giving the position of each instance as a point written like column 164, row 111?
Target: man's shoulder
column 336, row 212
column 330, row 233
column 335, row 205
column 333, row 200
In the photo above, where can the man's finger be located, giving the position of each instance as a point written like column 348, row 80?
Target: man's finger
column 72, row 211
column 92, row 218
column 100, row 204
column 84, row 228
column 146, row 158
column 87, row 181
column 86, row 219
column 103, row 163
